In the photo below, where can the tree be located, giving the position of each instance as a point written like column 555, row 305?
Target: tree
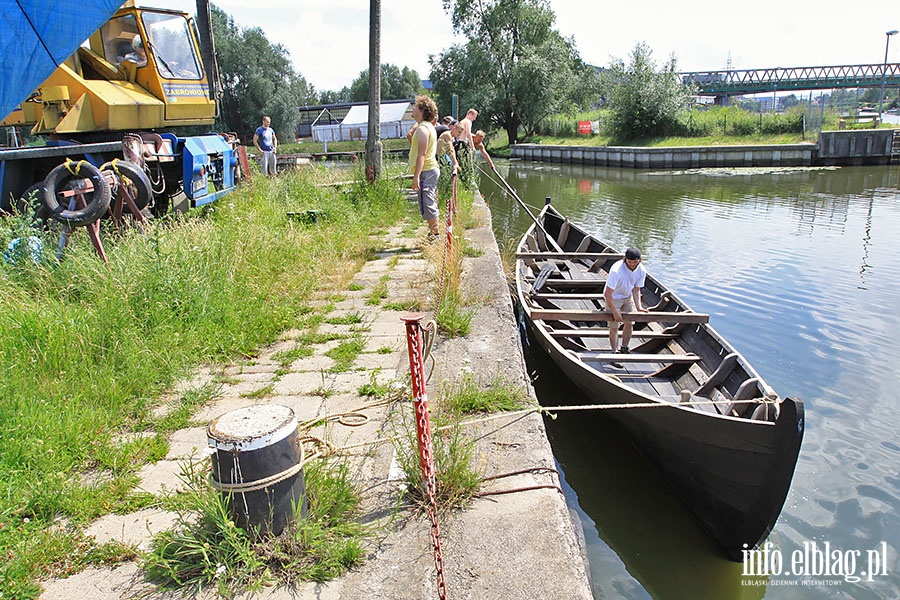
column 644, row 102
column 789, row 101
column 395, row 84
column 515, row 68
column 258, row 79
column 335, row 97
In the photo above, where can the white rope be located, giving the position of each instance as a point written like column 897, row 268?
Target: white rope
column 243, row 487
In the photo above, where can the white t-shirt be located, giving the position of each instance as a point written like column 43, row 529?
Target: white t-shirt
column 622, row 279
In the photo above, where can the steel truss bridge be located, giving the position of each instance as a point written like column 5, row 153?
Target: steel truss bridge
column 755, row 81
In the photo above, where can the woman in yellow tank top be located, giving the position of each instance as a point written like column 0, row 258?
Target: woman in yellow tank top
column 423, row 161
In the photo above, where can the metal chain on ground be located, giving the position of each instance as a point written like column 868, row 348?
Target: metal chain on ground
column 444, row 253
column 415, row 346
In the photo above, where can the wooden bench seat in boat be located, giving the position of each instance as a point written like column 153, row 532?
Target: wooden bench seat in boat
column 603, row 332
column 636, row 317
column 571, row 255
column 637, row 358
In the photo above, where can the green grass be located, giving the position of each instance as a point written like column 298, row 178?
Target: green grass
column 89, row 348
column 353, row 318
column 409, row 305
column 262, row 392
column 286, row 357
column 320, row 337
column 379, row 291
column 207, row 550
column 456, row 477
column 179, row 416
column 466, row 395
column 374, row 389
column 345, row 354
column 453, row 317
column 311, row 147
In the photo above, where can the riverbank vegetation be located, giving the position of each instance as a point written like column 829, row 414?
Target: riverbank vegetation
column 90, row 348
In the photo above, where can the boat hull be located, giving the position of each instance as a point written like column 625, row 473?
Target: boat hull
column 729, row 461
column 732, row 475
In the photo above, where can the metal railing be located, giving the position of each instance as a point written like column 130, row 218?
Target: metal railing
column 749, row 81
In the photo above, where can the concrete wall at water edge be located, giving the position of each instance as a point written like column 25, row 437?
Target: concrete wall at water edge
column 684, row 157
column 857, row 147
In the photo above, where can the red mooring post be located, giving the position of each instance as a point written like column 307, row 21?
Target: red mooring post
column 449, row 224
column 416, row 347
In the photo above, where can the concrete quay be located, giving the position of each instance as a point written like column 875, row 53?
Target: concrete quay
column 515, row 545
column 833, row 148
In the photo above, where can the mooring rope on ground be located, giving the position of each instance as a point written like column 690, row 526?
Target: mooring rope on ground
column 524, row 488
column 550, row 410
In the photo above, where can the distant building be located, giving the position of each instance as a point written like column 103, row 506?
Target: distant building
column 345, row 122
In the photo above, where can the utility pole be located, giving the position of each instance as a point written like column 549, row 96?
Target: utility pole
column 887, row 44
column 373, row 139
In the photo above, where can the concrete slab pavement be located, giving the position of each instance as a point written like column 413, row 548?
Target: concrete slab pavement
column 515, row 545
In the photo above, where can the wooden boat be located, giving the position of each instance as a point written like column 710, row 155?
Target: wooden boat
column 715, row 431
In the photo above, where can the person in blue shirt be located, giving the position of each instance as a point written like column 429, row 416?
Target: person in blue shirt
column 266, row 142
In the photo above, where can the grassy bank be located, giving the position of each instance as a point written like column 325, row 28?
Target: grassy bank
column 308, row 146
column 89, row 349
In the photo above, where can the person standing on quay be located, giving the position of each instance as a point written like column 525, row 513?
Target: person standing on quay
column 465, row 127
column 478, row 145
column 266, row 142
column 423, row 162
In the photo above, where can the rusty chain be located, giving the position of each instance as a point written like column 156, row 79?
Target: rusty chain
column 415, row 345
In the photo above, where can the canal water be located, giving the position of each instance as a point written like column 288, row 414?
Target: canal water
column 800, row 270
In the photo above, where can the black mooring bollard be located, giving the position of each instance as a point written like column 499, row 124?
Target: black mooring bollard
column 258, row 465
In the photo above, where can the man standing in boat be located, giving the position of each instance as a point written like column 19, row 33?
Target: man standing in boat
column 623, row 294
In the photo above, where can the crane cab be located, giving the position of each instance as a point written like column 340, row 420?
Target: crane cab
column 140, row 71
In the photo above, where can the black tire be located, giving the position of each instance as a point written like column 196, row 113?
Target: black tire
column 140, row 187
column 60, row 179
column 31, row 206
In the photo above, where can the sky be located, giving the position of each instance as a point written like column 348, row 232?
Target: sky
column 328, row 40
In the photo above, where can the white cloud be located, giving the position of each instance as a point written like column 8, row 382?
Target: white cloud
column 329, row 41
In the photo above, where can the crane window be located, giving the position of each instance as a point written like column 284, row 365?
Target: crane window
column 172, row 46
column 122, row 42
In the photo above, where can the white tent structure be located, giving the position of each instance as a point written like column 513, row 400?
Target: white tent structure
column 396, row 119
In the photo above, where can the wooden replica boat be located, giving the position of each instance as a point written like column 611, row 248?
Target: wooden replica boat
column 716, row 432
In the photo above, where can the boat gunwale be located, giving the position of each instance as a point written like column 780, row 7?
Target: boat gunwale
column 726, row 347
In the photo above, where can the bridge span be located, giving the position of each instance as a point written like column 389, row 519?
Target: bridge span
column 754, row 81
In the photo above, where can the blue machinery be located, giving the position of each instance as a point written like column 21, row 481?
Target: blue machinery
column 203, row 165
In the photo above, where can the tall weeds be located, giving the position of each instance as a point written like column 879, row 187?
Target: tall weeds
column 87, row 348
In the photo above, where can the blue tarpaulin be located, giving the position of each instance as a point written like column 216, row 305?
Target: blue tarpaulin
column 36, row 36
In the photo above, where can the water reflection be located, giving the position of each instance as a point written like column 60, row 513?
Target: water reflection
column 800, row 270
column 666, row 553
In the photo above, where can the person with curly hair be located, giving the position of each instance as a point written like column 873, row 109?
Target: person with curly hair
column 423, row 162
